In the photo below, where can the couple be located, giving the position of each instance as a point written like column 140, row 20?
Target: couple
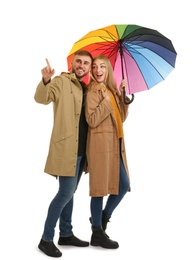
column 88, row 136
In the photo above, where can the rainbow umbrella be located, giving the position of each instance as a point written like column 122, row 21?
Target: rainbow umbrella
column 143, row 56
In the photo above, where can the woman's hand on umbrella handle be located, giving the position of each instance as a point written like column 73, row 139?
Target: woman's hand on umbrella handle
column 47, row 72
column 122, row 85
column 122, row 88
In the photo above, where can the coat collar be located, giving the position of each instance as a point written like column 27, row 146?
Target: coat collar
column 97, row 86
column 72, row 77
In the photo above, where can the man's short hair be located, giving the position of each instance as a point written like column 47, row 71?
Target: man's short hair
column 84, row 53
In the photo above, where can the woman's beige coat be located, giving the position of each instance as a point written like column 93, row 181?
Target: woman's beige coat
column 66, row 94
column 103, row 147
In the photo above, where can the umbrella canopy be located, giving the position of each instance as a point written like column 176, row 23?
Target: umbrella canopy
column 141, row 55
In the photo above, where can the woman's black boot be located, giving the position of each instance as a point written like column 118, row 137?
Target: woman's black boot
column 100, row 238
column 105, row 220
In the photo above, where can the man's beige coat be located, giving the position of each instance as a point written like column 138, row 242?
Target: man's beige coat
column 66, row 94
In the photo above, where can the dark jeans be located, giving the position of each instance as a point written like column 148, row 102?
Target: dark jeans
column 62, row 205
column 112, row 201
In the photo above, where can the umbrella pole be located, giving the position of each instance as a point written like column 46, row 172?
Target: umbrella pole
column 124, row 92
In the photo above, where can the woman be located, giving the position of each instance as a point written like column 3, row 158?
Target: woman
column 106, row 156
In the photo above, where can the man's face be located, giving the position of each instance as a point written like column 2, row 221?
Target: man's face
column 81, row 66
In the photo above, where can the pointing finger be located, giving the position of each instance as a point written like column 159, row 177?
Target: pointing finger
column 48, row 64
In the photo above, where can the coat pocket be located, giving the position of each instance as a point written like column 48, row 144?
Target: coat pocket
column 60, row 137
column 60, row 143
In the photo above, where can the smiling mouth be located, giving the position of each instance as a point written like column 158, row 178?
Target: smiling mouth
column 99, row 75
column 80, row 70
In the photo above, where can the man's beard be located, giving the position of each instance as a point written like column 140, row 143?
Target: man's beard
column 80, row 77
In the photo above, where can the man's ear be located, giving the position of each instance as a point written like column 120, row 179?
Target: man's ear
column 70, row 69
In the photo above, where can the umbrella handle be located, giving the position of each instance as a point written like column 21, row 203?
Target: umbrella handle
column 125, row 97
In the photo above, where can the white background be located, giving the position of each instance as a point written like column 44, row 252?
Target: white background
column 154, row 221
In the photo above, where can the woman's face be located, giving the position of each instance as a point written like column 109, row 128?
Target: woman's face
column 99, row 70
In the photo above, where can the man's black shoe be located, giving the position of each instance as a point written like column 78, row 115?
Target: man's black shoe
column 72, row 241
column 49, row 248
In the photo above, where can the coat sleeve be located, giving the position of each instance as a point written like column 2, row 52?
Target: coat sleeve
column 96, row 108
column 47, row 93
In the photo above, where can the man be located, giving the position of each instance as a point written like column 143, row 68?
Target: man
column 66, row 156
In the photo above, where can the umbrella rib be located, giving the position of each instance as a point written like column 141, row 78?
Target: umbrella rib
column 146, row 60
column 139, row 53
column 142, row 74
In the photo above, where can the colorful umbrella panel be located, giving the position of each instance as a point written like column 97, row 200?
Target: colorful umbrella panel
column 142, row 56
